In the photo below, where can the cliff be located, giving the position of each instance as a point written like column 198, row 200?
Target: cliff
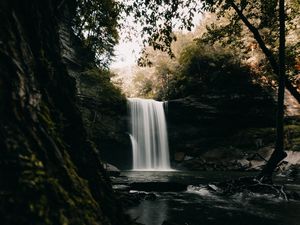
column 49, row 171
column 225, row 132
column 102, row 105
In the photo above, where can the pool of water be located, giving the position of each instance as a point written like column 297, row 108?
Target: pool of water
column 198, row 206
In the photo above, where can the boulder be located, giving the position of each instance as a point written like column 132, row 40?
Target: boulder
column 256, row 165
column 111, row 169
column 187, row 157
column 293, row 157
column 244, row 163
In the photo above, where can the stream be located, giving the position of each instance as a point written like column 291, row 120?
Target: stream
column 197, row 205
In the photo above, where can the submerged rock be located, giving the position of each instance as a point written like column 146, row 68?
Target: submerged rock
column 133, row 198
column 158, row 186
column 169, row 223
column 291, row 172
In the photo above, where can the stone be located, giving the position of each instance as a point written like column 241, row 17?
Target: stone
column 293, row 157
column 266, row 151
column 151, row 196
column 213, row 187
column 186, row 158
column 111, row 169
column 243, row 163
column 179, row 156
column 256, row 165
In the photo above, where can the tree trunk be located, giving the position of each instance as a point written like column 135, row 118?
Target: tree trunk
column 289, row 85
column 278, row 153
column 49, row 171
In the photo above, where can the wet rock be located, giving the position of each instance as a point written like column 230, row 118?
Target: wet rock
column 134, row 198
column 243, row 163
column 256, row 165
column 212, row 187
column 111, row 169
column 121, row 187
column 293, row 157
column 130, row 199
column 291, row 172
column 266, row 152
column 186, row 158
column 293, row 195
column 151, row 196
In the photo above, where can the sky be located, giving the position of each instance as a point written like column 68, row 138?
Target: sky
column 127, row 52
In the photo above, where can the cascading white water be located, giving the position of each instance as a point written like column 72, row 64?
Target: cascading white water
column 149, row 135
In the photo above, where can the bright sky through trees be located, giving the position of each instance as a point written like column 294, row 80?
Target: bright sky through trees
column 127, row 51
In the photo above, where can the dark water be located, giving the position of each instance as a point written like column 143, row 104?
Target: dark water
column 198, row 206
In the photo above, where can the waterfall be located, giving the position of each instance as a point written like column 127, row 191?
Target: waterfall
column 148, row 135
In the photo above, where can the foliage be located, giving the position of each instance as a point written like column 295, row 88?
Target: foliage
column 232, row 27
column 159, row 18
column 153, row 82
column 197, row 70
column 209, row 70
column 96, row 82
column 228, row 29
column 95, row 22
column 144, row 84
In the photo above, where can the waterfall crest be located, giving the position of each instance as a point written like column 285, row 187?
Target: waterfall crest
column 148, row 135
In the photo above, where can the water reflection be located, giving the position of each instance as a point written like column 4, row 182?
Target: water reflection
column 150, row 212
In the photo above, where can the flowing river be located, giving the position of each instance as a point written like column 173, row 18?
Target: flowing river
column 197, row 205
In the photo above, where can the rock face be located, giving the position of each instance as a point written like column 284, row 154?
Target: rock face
column 49, row 172
column 225, row 124
column 226, row 133
column 102, row 105
column 111, row 170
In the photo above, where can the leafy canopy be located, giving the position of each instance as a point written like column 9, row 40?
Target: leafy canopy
column 160, row 17
column 96, row 23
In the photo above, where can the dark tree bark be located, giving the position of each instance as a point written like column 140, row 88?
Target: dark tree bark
column 278, row 153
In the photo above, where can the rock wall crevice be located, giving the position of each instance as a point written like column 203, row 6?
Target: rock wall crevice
column 49, row 171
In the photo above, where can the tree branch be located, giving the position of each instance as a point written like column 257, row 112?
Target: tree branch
column 257, row 37
column 266, row 51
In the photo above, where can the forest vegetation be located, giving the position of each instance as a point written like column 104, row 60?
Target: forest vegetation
column 62, row 118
